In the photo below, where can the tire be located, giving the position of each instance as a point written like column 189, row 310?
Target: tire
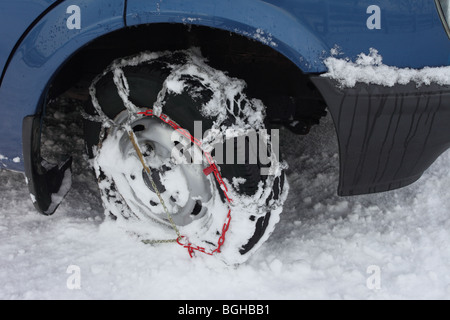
column 162, row 97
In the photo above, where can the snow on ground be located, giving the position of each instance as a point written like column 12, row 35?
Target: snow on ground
column 325, row 247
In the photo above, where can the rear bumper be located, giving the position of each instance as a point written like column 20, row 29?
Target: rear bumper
column 388, row 136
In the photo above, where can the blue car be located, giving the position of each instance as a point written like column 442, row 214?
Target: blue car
column 151, row 72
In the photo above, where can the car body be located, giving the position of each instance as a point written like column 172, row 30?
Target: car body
column 388, row 136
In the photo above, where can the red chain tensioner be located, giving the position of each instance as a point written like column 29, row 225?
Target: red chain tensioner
column 212, row 168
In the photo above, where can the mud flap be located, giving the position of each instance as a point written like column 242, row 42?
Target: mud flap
column 48, row 183
column 388, row 136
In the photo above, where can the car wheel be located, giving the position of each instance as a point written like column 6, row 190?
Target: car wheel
column 176, row 158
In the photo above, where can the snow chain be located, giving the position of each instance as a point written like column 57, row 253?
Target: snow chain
column 211, row 169
column 123, row 89
column 149, row 175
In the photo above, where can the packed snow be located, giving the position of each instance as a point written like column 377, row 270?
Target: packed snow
column 385, row 246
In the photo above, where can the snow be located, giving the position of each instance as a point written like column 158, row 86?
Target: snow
column 324, row 247
column 259, row 35
column 369, row 69
column 60, row 194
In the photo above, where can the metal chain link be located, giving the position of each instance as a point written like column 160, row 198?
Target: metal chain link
column 132, row 137
column 211, row 169
column 121, row 83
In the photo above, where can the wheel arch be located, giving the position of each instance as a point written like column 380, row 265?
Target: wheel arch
column 50, row 46
column 25, row 85
column 259, row 20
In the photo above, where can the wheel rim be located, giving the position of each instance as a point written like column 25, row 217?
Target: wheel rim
column 184, row 188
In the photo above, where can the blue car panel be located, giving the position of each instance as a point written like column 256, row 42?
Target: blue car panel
column 12, row 27
column 38, row 57
column 259, row 20
column 305, row 31
column 410, row 35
